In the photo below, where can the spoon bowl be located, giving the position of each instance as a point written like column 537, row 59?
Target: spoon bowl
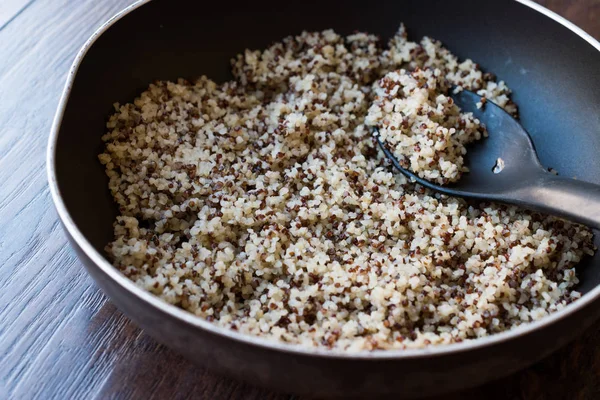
column 505, row 168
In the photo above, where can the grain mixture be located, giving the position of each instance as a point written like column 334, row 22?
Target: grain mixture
column 262, row 205
column 421, row 126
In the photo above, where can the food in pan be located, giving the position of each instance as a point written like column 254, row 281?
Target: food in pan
column 264, row 206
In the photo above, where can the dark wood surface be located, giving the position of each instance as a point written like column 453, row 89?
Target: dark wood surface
column 59, row 336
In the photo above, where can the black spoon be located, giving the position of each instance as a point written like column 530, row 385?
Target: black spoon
column 505, row 168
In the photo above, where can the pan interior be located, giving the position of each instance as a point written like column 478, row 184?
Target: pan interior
column 554, row 74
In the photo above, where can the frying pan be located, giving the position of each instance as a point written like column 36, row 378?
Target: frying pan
column 552, row 66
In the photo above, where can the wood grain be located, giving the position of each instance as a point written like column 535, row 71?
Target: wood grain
column 59, row 337
column 584, row 13
column 10, row 9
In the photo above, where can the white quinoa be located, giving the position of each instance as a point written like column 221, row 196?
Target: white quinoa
column 262, row 205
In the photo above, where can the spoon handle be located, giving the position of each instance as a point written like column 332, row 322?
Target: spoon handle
column 572, row 199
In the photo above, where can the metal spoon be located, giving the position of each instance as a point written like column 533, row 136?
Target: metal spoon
column 505, row 168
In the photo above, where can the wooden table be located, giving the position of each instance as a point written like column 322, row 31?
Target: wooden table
column 59, row 336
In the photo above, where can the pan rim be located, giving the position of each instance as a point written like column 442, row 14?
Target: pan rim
column 267, row 344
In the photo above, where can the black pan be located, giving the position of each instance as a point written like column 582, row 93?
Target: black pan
column 553, row 67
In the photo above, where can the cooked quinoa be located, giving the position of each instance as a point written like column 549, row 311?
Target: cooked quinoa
column 421, row 125
column 416, row 119
column 263, row 205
